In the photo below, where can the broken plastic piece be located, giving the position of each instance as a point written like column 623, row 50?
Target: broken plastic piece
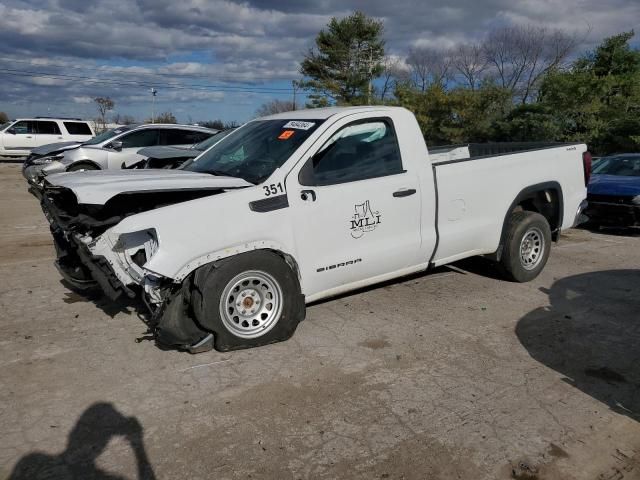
column 203, row 345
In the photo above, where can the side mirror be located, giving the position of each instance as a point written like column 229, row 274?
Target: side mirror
column 11, row 130
column 116, row 145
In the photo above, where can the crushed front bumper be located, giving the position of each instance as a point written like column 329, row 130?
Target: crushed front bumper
column 82, row 269
column 34, row 173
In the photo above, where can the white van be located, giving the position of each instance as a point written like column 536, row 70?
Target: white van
column 19, row 137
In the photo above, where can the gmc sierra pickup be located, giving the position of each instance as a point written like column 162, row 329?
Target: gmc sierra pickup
column 299, row 206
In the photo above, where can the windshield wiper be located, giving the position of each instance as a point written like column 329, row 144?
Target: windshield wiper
column 218, row 173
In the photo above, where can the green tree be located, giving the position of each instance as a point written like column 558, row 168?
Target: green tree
column 460, row 115
column 598, row 100
column 531, row 122
column 347, row 56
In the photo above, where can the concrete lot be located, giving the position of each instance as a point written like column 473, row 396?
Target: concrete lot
column 451, row 374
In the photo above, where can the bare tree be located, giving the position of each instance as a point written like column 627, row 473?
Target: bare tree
column 429, row 66
column 104, row 104
column 274, row 106
column 520, row 55
column 215, row 124
column 470, row 61
column 394, row 72
column 165, row 117
column 4, row 118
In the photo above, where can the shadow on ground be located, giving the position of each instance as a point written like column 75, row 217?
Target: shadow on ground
column 617, row 231
column 110, row 307
column 87, row 440
column 590, row 333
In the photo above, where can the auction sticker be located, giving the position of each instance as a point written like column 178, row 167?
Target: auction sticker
column 299, row 125
column 286, row 135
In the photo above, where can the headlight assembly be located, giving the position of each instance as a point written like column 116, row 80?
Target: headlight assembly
column 46, row 160
column 137, row 248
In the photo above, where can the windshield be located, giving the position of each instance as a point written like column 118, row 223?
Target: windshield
column 202, row 146
column 4, row 125
column 106, row 135
column 627, row 166
column 255, row 150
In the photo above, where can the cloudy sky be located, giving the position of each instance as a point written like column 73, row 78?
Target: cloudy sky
column 220, row 59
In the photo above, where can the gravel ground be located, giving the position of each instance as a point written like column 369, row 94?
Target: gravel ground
column 450, row 374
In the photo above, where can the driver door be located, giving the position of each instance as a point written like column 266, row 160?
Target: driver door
column 131, row 143
column 356, row 211
column 23, row 138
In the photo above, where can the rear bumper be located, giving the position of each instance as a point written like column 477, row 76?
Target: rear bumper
column 613, row 214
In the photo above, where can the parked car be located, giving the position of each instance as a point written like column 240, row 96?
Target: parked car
column 173, row 157
column 112, row 149
column 300, row 206
column 19, row 137
column 614, row 191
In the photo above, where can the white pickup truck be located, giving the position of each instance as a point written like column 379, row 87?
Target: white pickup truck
column 299, row 206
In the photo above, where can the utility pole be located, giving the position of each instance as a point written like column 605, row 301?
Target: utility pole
column 370, row 75
column 296, row 86
column 153, row 104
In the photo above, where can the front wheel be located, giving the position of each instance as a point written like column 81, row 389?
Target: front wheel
column 249, row 300
column 527, row 246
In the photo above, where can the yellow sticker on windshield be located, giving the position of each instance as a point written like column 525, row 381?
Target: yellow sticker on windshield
column 286, row 135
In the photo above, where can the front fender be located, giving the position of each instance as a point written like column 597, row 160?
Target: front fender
column 193, row 233
column 228, row 252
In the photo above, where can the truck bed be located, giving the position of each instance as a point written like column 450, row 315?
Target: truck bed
column 471, row 151
column 473, row 196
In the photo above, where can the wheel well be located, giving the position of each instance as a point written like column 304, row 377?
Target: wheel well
column 84, row 162
column 546, row 203
column 545, row 199
column 289, row 261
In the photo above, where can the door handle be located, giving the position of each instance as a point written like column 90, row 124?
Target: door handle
column 308, row 195
column 29, row 136
column 405, row 192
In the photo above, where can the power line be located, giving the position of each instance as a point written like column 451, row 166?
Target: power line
column 168, row 74
column 222, row 88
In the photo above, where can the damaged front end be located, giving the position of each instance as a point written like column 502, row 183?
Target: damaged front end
column 90, row 255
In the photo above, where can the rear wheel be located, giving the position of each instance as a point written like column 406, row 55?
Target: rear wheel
column 249, row 300
column 527, row 246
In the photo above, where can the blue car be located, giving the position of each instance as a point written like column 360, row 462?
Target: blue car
column 614, row 191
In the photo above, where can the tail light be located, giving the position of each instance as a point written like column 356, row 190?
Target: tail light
column 586, row 163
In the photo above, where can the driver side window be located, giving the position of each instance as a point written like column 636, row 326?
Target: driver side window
column 24, row 127
column 142, row 138
column 358, row 151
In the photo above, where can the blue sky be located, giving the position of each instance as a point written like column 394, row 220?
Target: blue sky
column 213, row 59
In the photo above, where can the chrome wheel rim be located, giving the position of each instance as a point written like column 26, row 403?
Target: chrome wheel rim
column 532, row 248
column 251, row 304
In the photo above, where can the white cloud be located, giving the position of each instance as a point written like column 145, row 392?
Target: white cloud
column 82, row 99
column 255, row 42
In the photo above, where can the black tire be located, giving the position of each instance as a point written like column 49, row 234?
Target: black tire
column 82, row 166
column 212, row 282
column 520, row 265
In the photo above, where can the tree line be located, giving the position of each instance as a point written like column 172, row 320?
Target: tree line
column 518, row 83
